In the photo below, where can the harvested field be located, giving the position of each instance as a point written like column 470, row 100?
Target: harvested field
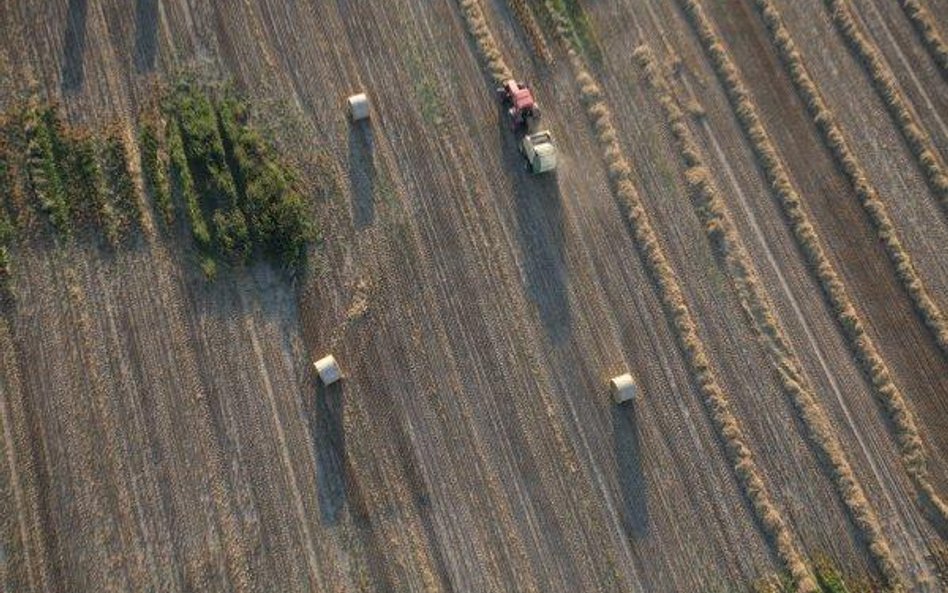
column 166, row 432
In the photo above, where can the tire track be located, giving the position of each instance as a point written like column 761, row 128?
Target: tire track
column 79, row 507
column 128, row 357
column 10, row 448
column 906, row 65
column 264, row 374
column 443, row 272
column 599, row 481
column 197, row 410
column 730, row 432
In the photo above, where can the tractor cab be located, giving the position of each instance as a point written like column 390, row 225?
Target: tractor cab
column 521, row 107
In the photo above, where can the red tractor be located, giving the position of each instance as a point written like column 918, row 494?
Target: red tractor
column 521, row 107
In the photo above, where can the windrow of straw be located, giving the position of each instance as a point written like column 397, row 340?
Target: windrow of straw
column 477, row 25
column 680, row 317
column 846, row 160
column 925, row 25
column 912, row 449
column 885, row 84
column 530, row 25
column 727, row 244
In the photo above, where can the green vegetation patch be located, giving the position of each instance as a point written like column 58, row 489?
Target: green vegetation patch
column 192, row 108
column 829, row 578
column 155, row 169
column 201, row 159
column 122, row 213
column 583, row 34
column 231, row 177
column 183, row 184
column 86, row 188
column 45, row 152
column 266, row 196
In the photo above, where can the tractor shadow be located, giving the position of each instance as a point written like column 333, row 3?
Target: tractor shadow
column 629, row 475
column 74, row 44
column 146, row 35
column 538, row 207
column 362, row 174
column 325, row 413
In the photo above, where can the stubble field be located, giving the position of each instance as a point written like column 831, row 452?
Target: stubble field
column 163, row 432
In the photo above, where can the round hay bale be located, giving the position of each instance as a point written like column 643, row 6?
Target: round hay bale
column 623, row 388
column 328, row 370
column 358, row 107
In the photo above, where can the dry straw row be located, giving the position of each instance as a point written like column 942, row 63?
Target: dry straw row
column 529, row 23
column 911, row 446
column 725, row 240
column 925, row 25
column 887, row 87
column 875, row 208
column 735, row 443
column 477, row 25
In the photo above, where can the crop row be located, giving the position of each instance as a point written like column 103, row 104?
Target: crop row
column 155, row 166
column 925, row 25
column 721, row 232
column 75, row 178
column 885, row 84
column 681, row 319
column 846, row 160
column 45, row 153
column 122, row 195
column 911, row 447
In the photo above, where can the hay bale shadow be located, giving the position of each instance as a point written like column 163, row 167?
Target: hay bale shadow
column 362, row 174
column 325, row 414
column 629, row 475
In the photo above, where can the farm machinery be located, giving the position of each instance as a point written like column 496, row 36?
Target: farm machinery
column 537, row 147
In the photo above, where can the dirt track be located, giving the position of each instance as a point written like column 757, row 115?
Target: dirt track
column 161, row 433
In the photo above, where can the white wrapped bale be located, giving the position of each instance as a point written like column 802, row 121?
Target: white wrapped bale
column 358, row 107
column 623, row 388
column 328, row 370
